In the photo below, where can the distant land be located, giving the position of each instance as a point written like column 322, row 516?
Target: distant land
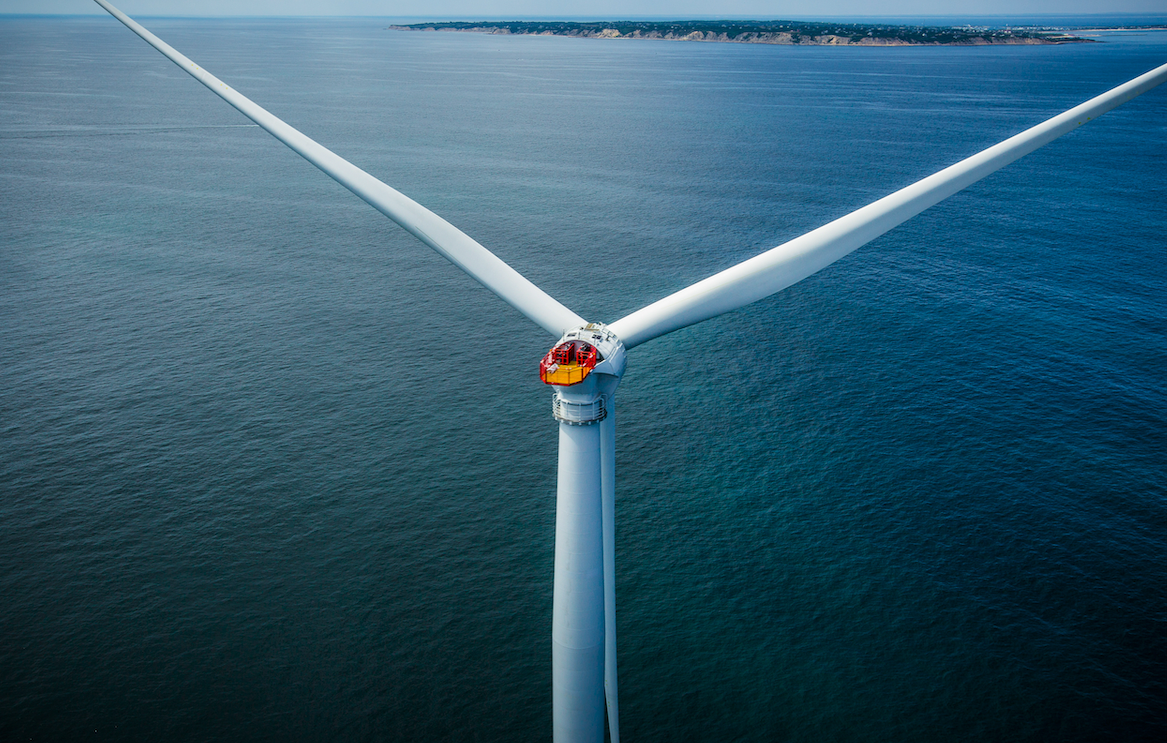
column 765, row 32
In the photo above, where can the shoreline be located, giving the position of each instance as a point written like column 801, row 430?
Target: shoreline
column 785, row 33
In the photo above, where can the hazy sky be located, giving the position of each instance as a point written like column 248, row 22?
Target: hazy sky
column 593, row 8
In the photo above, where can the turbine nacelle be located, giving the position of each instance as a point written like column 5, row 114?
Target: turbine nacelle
column 584, row 368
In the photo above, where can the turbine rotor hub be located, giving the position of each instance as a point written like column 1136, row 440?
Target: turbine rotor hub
column 583, row 368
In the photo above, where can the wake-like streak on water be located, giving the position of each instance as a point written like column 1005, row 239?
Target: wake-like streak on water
column 106, row 131
column 270, row 468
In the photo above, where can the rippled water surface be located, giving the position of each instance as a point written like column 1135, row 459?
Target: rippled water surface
column 270, row 469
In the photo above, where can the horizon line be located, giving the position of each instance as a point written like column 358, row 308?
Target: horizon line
column 577, row 18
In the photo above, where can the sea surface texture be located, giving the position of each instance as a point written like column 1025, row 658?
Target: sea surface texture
column 271, row 469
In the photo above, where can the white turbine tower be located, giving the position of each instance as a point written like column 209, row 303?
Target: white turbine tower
column 585, row 365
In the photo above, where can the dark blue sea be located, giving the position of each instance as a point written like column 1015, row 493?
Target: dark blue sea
column 270, row 469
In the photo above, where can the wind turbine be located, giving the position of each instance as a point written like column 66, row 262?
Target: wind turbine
column 585, row 365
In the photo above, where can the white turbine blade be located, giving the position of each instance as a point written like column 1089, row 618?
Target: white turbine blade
column 487, row 268
column 793, row 261
column 608, row 497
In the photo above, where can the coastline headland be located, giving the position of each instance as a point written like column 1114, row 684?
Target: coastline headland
column 765, row 32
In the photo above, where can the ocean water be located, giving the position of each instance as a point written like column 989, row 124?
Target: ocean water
column 270, row 469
